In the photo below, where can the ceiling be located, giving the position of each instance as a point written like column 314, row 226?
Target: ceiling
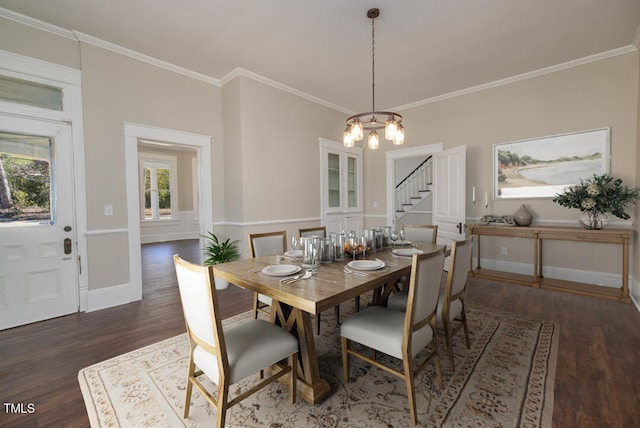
column 424, row 48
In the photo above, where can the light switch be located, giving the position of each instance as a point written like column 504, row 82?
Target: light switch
column 108, row 210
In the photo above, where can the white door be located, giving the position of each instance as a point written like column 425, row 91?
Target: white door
column 449, row 169
column 38, row 255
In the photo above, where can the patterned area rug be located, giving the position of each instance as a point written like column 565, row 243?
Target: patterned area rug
column 505, row 380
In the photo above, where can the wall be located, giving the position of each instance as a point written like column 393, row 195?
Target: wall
column 272, row 158
column 594, row 95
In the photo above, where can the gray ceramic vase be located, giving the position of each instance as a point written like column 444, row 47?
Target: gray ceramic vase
column 523, row 216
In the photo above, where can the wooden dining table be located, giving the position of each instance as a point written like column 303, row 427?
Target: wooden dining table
column 293, row 304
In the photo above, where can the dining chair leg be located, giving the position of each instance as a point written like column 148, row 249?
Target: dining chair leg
column 463, row 315
column 255, row 305
column 337, row 311
column 408, row 377
column 345, row 359
column 293, row 377
column 221, row 409
column 357, row 303
column 189, row 389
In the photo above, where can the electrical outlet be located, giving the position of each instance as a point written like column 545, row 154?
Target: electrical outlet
column 504, row 251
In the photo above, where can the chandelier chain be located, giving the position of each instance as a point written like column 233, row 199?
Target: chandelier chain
column 373, row 63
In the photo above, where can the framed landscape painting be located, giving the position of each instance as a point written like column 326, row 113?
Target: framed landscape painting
column 544, row 167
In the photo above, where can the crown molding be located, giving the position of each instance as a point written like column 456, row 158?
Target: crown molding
column 524, row 76
column 241, row 72
column 36, row 23
column 145, row 58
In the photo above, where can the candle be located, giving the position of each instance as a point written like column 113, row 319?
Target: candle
column 486, row 199
column 473, row 194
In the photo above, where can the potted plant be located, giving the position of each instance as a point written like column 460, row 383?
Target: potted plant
column 597, row 196
column 217, row 252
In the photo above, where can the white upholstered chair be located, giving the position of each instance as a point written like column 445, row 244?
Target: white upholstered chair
column 451, row 315
column 401, row 334
column 265, row 244
column 421, row 233
column 320, row 231
column 229, row 355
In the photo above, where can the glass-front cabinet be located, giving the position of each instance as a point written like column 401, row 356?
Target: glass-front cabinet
column 341, row 186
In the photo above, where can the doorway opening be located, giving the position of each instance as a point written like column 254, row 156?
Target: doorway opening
column 142, row 137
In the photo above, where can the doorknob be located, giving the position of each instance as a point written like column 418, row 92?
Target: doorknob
column 67, row 229
column 459, row 226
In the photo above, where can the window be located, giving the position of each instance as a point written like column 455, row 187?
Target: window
column 25, row 178
column 158, row 187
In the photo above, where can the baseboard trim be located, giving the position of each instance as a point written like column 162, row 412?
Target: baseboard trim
column 604, row 279
column 107, row 297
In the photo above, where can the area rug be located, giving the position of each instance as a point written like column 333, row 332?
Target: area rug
column 506, row 379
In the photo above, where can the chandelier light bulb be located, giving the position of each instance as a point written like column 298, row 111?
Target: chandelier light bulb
column 390, row 128
column 374, row 141
column 347, row 138
column 357, row 130
column 398, row 138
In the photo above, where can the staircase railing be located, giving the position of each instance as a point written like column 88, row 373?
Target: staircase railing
column 415, row 182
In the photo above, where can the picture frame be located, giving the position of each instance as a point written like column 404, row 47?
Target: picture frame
column 543, row 167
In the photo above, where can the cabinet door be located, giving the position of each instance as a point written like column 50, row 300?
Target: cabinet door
column 352, row 183
column 333, row 180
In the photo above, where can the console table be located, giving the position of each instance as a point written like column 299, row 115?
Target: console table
column 538, row 234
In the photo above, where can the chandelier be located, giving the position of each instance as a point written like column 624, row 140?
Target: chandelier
column 373, row 120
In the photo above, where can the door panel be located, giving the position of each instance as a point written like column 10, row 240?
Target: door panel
column 449, row 192
column 38, row 278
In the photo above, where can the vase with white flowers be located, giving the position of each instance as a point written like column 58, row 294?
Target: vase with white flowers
column 597, row 196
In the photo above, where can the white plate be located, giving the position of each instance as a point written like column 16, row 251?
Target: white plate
column 281, row 270
column 402, row 243
column 406, row 252
column 294, row 254
column 365, row 264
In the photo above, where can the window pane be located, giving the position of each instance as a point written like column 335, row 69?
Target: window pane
column 164, row 202
column 25, row 178
column 352, row 181
column 334, row 180
column 163, row 179
column 147, row 205
column 147, row 178
column 30, row 93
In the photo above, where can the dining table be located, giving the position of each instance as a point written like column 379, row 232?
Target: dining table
column 294, row 303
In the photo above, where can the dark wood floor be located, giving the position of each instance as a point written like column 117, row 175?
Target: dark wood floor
column 597, row 380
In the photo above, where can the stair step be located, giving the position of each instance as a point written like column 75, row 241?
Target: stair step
column 416, row 197
column 424, row 191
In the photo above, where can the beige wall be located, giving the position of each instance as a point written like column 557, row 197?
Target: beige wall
column 28, row 41
column 272, row 158
column 595, row 95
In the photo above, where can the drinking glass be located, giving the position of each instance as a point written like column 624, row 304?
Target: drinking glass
column 364, row 246
column 353, row 246
column 394, row 237
column 401, row 236
column 294, row 245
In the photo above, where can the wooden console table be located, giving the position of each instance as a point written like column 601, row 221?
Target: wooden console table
column 539, row 233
